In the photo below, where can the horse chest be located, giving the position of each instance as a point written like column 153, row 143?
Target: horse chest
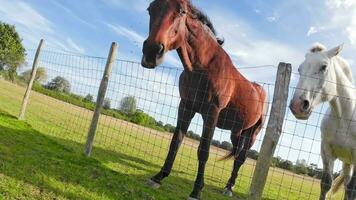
column 341, row 137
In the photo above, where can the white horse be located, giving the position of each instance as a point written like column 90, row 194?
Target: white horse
column 326, row 77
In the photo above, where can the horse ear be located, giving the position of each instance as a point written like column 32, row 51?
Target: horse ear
column 335, row 51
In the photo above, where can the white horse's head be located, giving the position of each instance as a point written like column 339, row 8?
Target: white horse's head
column 317, row 80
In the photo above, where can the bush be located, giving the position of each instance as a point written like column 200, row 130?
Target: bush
column 88, row 98
column 226, row 145
column 169, row 128
column 59, row 84
column 107, row 104
column 252, row 154
column 143, row 119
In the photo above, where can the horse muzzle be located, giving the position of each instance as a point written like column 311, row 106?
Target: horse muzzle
column 152, row 55
column 301, row 109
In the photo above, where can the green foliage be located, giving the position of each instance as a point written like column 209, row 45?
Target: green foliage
column 128, row 105
column 12, row 52
column 66, row 97
column 169, row 128
column 107, row 104
column 226, row 145
column 88, row 98
column 41, row 75
column 285, row 164
column 301, row 167
column 143, row 119
column 59, row 84
column 252, row 154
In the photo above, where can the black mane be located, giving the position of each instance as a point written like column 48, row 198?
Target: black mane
column 205, row 20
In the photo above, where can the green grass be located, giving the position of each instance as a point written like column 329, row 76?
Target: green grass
column 41, row 158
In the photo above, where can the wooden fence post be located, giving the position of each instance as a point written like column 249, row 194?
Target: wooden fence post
column 100, row 99
column 32, row 79
column 273, row 131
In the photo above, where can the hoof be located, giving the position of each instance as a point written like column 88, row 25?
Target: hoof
column 191, row 198
column 153, row 184
column 227, row 192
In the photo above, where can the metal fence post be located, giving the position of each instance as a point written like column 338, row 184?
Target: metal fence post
column 273, row 131
column 100, row 99
column 30, row 84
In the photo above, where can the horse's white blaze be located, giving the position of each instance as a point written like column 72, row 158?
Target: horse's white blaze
column 326, row 77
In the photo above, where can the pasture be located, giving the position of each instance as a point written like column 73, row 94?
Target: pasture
column 42, row 158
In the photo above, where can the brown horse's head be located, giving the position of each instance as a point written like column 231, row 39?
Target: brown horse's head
column 168, row 28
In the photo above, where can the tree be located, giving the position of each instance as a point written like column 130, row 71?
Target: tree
column 41, row 75
column 286, row 164
column 107, row 104
column 253, row 154
column 12, row 52
column 170, row 128
column 88, row 98
column 301, row 167
column 128, row 105
column 59, row 84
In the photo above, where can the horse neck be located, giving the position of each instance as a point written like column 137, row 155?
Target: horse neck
column 200, row 48
column 344, row 103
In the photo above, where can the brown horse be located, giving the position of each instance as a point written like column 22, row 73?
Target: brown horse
column 209, row 85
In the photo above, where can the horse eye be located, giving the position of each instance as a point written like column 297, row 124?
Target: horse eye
column 323, row 68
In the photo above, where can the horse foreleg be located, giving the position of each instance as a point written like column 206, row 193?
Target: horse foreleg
column 328, row 166
column 210, row 121
column 185, row 115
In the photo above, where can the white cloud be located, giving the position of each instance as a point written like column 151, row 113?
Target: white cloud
column 138, row 40
column 75, row 46
column 127, row 33
column 136, row 5
column 73, row 14
column 338, row 19
column 312, row 30
column 258, row 11
column 247, row 47
column 273, row 18
column 18, row 12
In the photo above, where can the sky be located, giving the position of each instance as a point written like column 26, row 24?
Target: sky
column 256, row 33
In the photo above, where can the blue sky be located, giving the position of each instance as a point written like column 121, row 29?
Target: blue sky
column 256, row 32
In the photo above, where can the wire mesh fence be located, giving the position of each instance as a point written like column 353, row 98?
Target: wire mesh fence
column 136, row 143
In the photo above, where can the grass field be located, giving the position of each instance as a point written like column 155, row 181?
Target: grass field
column 41, row 158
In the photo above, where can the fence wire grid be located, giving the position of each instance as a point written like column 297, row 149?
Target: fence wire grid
column 136, row 146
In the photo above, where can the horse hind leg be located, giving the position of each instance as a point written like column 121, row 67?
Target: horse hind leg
column 241, row 145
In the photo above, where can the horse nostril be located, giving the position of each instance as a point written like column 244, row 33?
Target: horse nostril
column 306, row 105
column 161, row 49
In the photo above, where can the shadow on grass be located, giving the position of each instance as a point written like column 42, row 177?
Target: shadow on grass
column 54, row 165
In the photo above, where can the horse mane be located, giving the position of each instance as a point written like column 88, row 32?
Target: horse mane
column 345, row 66
column 204, row 19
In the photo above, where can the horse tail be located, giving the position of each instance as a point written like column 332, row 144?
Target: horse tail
column 337, row 183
